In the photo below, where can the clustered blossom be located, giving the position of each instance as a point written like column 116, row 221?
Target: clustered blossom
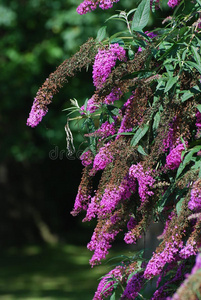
column 168, row 141
column 145, row 181
column 188, row 250
column 173, row 159
column 36, row 114
column 163, row 291
column 106, row 58
column 103, row 158
column 195, row 201
column 89, row 5
column 131, row 223
column 158, row 261
column 86, row 158
column 112, row 197
column 133, row 287
column 106, row 129
column 92, row 106
column 125, row 123
column 101, row 241
column 198, row 124
column 173, row 3
column 114, row 95
column 81, row 202
column 106, row 284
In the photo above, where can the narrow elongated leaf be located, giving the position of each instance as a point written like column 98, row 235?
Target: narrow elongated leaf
column 196, row 55
column 141, row 16
column 139, row 134
column 187, row 159
column 199, row 107
column 199, row 2
column 101, row 34
column 186, row 96
column 193, row 64
column 179, row 206
column 113, row 297
column 156, row 121
column 170, row 83
column 141, row 150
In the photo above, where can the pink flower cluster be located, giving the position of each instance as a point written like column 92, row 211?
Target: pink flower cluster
column 198, row 124
column 101, row 242
column 103, row 158
column 92, row 106
column 114, row 95
column 36, row 114
column 105, row 130
column 188, row 250
column 133, row 287
column 173, row 3
column 173, row 159
column 81, row 202
column 89, row 5
column 125, row 120
column 145, row 181
column 195, row 201
column 86, row 158
column 106, row 284
column 168, row 141
column 158, row 261
column 112, row 197
column 105, row 60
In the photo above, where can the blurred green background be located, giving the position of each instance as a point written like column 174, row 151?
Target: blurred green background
column 43, row 248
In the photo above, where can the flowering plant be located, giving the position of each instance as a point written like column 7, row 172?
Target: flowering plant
column 143, row 128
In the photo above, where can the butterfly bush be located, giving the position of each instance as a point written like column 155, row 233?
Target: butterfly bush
column 36, row 114
column 106, row 58
column 142, row 161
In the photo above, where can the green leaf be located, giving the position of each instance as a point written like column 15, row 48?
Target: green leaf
column 186, row 96
column 141, row 16
column 196, row 55
column 187, row 159
column 170, row 83
column 179, row 206
column 118, row 41
column 199, row 107
column 139, row 135
column 190, row 93
column 141, row 150
column 113, row 296
column 101, row 34
column 156, row 121
column 193, row 64
column 199, row 2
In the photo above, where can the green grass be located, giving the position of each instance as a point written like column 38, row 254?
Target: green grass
column 49, row 273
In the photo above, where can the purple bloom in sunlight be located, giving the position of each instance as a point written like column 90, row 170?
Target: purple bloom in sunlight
column 145, row 181
column 173, row 159
column 106, row 58
column 103, row 158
